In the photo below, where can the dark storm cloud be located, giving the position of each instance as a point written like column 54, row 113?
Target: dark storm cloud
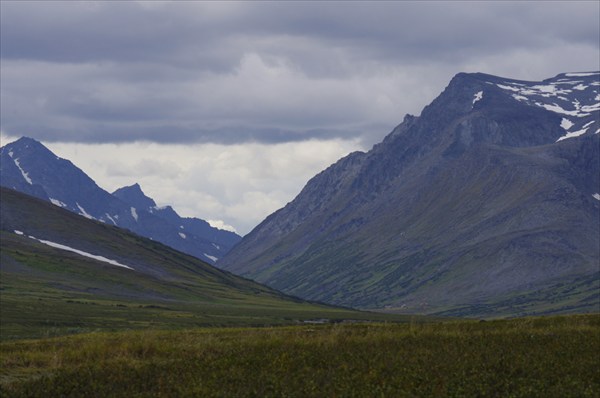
column 263, row 71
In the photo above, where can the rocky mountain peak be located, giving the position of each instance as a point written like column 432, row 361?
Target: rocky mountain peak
column 134, row 195
column 489, row 194
column 28, row 166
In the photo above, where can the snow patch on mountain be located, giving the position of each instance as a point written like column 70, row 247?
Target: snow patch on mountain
column 77, row 251
column 569, row 94
column 477, row 97
column 577, row 74
column 566, row 124
column 134, row 213
column 83, row 212
column 213, row 258
column 25, row 174
column 572, row 134
column 591, row 108
column 182, row 235
column 57, row 202
column 558, row 109
column 110, row 218
column 596, row 196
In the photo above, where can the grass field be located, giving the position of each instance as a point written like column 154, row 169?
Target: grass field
column 528, row 357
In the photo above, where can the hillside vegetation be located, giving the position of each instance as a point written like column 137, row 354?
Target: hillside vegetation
column 529, row 357
column 46, row 291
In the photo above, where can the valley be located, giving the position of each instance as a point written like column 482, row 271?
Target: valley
column 299, row 199
column 47, row 291
column 419, row 268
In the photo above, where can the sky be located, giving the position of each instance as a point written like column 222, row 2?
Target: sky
column 225, row 110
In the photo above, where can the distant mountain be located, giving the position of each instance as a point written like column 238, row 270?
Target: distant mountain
column 486, row 204
column 29, row 167
column 220, row 239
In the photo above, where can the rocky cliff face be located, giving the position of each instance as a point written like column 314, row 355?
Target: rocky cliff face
column 487, row 203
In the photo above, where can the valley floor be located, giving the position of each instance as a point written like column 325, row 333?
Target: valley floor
column 527, row 357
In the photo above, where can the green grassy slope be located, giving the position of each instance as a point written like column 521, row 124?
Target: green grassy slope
column 527, row 357
column 46, row 291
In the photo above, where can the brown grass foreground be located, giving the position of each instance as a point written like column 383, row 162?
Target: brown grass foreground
column 529, row 357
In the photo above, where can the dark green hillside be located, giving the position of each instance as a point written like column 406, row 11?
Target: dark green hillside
column 48, row 291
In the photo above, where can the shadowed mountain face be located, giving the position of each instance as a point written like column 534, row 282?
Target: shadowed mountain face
column 486, row 204
column 29, row 167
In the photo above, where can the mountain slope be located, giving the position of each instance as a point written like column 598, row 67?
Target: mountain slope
column 62, row 273
column 29, row 167
column 485, row 204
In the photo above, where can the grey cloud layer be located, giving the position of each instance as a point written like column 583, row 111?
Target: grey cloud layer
column 231, row 72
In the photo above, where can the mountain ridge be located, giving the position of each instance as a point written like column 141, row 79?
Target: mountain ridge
column 374, row 229
column 29, row 167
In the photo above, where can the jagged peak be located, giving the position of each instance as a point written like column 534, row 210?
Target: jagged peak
column 134, row 195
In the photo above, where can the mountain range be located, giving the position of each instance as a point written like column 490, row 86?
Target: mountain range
column 27, row 166
column 486, row 204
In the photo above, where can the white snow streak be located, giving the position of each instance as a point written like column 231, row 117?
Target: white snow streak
column 596, row 196
column 80, row 252
column 519, row 97
column 182, row 235
column 211, row 257
column 57, row 202
column 83, row 212
column 557, row 109
column 110, row 218
column 572, row 134
column 581, row 74
column 478, row 96
column 25, row 175
column 134, row 213
column 502, row 86
column 591, row 108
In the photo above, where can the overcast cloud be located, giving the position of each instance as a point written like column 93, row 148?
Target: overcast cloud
column 225, row 109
